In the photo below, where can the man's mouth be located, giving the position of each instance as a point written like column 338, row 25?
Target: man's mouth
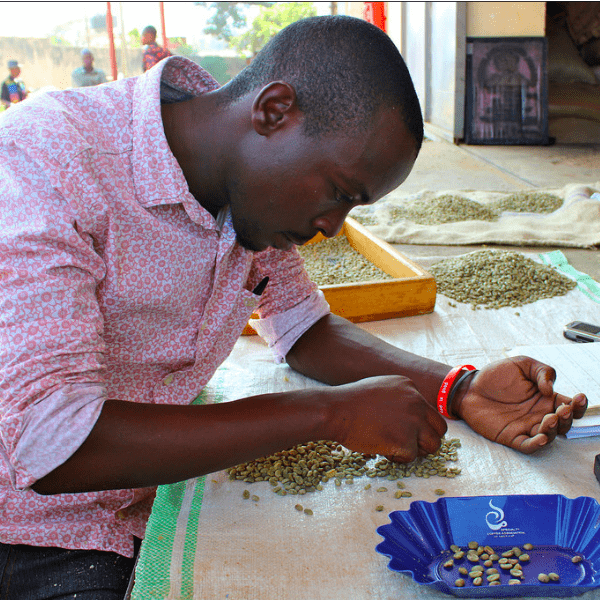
column 286, row 240
column 297, row 240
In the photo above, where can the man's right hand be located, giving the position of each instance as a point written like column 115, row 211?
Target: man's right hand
column 385, row 415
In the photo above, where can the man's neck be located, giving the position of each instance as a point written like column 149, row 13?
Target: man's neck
column 197, row 131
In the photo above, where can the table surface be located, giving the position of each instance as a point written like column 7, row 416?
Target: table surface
column 204, row 540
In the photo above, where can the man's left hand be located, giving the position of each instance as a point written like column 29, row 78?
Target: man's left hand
column 513, row 402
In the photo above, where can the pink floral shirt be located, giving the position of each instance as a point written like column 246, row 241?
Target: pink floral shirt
column 114, row 283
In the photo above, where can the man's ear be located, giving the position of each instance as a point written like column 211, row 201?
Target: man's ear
column 274, row 107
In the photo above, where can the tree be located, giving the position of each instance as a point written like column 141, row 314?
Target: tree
column 227, row 17
column 269, row 22
column 134, row 38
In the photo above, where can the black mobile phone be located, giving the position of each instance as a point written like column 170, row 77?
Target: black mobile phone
column 578, row 331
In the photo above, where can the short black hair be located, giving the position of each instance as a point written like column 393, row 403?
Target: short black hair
column 149, row 29
column 343, row 70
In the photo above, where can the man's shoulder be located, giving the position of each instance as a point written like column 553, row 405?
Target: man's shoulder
column 83, row 117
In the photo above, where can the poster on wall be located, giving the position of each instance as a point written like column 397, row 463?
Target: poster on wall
column 507, row 91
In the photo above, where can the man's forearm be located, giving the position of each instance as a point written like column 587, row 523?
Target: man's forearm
column 336, row 351
column 138, row 445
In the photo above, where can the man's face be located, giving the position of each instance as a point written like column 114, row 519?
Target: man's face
column 15, row 72
column 289, row 186
column 88, row 61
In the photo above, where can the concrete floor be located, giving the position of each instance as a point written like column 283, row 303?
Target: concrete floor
column 445, row 166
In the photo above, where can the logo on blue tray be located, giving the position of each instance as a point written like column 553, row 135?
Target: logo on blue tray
column 495, row 518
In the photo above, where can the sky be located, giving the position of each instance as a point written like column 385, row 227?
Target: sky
column 38, row 19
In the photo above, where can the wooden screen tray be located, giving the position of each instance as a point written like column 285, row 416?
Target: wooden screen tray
column 412, row 292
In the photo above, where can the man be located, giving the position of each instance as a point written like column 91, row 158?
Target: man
column 136, row 241
column 87, row 75
column 153, row 53
column 13, row 87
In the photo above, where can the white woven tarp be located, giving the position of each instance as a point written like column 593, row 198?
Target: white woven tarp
column 575, row 224
column 205, row 541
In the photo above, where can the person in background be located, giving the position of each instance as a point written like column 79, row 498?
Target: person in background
column 153, row 53
column 87, row 75
column 13, row 87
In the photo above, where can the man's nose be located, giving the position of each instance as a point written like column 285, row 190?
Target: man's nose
column 331, row 223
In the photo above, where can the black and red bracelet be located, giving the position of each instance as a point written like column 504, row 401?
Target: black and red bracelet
column 449, row 387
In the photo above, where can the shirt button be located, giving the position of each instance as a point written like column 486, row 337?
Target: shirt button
column 121, row 514
column 168, row 380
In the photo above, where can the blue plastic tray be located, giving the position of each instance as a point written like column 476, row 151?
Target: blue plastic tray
column 417, row 542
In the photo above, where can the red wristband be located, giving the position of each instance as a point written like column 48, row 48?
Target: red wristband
column 442, row 399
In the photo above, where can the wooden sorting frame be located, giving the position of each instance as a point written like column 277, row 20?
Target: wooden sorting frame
column 411, row 292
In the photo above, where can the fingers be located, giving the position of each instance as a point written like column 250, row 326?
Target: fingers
column 545, row 377
column 427, row 440
column 529, row 445
column 578, row 404
column 539, row 436
column 437, row 422
column 552, row 424
column 568, row 409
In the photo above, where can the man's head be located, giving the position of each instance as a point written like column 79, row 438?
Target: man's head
column 335, row 122
column 148, row 35
column 87, row 58
column 14, row 68
column 344, row 70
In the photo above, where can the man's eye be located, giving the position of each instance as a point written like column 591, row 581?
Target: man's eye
column 341, row 197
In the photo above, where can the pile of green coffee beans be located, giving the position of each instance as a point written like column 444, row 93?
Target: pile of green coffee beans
column 442, row 209
column 535, row 202
column 334, row 261
column 451, row 208
column 306, row 467
column 496, row 279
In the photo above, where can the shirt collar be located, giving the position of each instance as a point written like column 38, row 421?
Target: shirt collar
column 157, row 176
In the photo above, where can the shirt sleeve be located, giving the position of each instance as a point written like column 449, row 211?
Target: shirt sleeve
column 291, row 303
column 281, row 331
column 51, row 339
